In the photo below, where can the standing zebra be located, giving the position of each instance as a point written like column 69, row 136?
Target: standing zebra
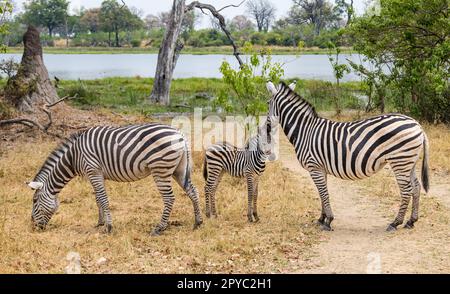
column 248, row 162
column 352, row 150
column 122, row 154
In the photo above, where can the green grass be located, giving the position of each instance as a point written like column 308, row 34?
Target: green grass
column 130, row 95
column 188, row 50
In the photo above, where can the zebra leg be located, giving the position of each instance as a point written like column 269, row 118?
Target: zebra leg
column 104, row 218
column 406, row 191
column 323, row 216
column 210, row 193
column 251, row 189
column 193, row 195
column 101, row 217
column 213, row 195
column 255, row 200
column 165, row 189
column 320, row 180
column 416, row 199
column 207, row 201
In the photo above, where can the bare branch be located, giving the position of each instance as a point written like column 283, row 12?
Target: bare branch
column 61, row 100
column 222, row 23
column 32, row 123
column 232, row 5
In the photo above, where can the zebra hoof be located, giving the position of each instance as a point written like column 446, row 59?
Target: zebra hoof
column 326, row 228
column 156, row 233
column 409, row 225
column 391, row 228
column 197, row 225
column 99, row 225
column 108, row 228
column 256, row 219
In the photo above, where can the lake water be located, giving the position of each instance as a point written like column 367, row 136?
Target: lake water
column 96, row 66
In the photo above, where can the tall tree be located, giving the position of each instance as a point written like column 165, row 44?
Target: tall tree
column 319, row 13
column 90, row 20
column 241, row 23
column 153, row 22
column 6, row 8
column 168, row 54
column 410, row 41
column 50, row 14
column 263, row 12
column 115, row 17
column 172, row 46
column 348, row 8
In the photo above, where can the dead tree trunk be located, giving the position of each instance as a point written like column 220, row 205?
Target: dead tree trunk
column 168, row 55
column 171, row 46
column 31, row 87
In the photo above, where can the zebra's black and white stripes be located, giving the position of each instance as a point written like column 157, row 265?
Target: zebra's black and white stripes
column 122, row 154
column 352, row 150
column 248, row 162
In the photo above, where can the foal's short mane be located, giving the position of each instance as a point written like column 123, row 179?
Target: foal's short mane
column 294, row 94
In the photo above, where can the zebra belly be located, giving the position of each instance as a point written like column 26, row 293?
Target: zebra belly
column 131, row 177
column 359, row 175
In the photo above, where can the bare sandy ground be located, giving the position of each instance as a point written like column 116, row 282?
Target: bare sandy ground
column 359, row 242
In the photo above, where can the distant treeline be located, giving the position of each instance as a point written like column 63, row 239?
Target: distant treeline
column 307, row 24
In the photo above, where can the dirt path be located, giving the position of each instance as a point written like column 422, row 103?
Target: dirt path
column 359, row 243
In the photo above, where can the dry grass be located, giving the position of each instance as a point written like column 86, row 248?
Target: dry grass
column 288, row 206
column 439, row 137
column 227, row 244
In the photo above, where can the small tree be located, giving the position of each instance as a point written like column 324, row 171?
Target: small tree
column 377, row 82
column 6, row 8
column 115, row 18
column 263, row 12
column 248, row 83
column 50, row 14
column 9, row 67
column 339, row 70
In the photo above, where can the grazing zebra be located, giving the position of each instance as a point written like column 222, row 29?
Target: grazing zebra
column 248, row 162
column 121, row 154
column 352, row 150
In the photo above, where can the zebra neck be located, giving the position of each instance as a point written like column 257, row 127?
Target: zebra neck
column 297, row 125
column 259, row 156
column 58, row 169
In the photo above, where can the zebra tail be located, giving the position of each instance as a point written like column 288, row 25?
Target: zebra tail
column 187, row 175
column 205, row 169
column 425, row 171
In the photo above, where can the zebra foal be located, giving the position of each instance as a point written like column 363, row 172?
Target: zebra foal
column 121, row 154
column 352, row 150
column 248, row 162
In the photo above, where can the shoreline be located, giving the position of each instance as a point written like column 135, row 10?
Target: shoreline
column 186, row 51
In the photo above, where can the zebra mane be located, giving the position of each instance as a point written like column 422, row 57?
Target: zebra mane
column 292, row 93
column 56, row 155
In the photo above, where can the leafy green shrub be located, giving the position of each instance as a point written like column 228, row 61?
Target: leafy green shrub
column 248, row 83
column 135, row 43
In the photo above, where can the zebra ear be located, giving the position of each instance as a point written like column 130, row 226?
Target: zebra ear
column 35, row 185
column 293, row 86
column 271, row 88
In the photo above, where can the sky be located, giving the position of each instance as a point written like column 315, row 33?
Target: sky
column 157, row 6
